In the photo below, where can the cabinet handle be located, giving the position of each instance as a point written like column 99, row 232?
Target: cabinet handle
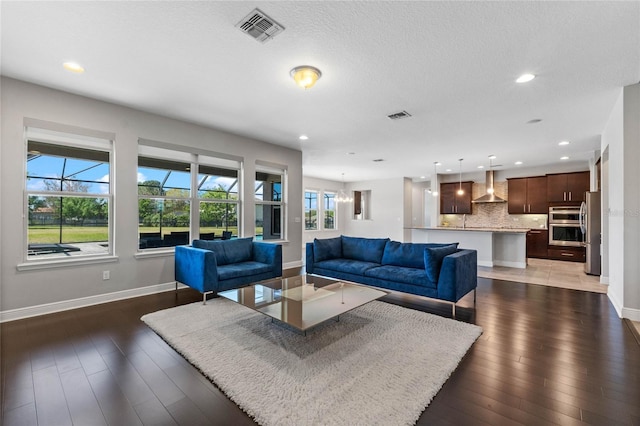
column 569, row 195
column 529, row 208
column 524, row 208
column 535, row 232
column 567, row 254
column 564, row 196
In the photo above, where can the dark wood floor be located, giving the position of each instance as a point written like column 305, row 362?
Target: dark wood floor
column 547, row 356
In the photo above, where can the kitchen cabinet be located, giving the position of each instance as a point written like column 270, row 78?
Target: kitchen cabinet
column 567, row 187
column 537, row 240
column 527, row 195
column 573, row 254
column 451, row 202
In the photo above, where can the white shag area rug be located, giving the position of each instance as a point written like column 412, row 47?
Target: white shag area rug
column 379, row 364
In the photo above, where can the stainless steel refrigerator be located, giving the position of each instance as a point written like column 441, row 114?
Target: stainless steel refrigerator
column 591, row 228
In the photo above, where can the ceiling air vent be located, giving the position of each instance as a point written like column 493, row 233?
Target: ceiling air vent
column 259, row 26
column 399, row 115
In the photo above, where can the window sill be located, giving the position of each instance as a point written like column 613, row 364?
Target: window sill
column 49, row 264
column 149, row 253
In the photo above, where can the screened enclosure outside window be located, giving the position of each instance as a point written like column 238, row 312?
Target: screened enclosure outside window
column 329, row 211
column 218, row 202
column 183, row 196
column 68, row 195
column 270, row 211
column 310, row 210
column 164, row 204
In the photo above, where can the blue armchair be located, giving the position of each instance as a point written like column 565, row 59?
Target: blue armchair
column 214, row 266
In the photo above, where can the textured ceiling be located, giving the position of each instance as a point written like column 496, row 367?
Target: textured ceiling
column 452, row 65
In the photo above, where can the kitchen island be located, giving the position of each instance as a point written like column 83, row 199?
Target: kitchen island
column 495, row 246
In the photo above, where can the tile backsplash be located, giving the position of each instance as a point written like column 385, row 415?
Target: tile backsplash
column 493, row 215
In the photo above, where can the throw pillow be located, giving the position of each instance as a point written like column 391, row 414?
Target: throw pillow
column 408, row 254
column 328, row 248
column 364, row 249
column 433, row 257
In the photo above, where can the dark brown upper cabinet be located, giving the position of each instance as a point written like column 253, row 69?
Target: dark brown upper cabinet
column 451, row 202
column 565, row 187
column 527, row 195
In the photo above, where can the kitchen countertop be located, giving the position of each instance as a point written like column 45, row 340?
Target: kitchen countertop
column 471, row 229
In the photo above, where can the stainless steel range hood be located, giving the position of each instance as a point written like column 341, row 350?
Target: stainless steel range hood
column 489, row 198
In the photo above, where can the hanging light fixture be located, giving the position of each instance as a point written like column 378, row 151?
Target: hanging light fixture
column 460, row 191
column 434, row 180
column 342, row 196
column 305, row 76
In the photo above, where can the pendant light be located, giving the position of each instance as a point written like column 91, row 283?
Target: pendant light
column 460, row 191
column 434, row 180
column 342, row 196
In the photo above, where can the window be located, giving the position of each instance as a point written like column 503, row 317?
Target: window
column 310, row 210
column 164, row 202
column 183, row 196
column 68, row 195
column 329, row 211
column 218, row 202
column 270, row 196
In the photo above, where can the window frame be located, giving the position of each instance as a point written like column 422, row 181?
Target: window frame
column 195, row 158
column 74, row 141
column 325, row 209
column 279, row 205
column 308, row 209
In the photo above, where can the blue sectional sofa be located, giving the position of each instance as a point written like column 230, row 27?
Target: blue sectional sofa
column 439, row 271
column 214, row 266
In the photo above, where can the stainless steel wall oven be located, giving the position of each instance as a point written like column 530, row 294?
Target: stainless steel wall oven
column 564, row 226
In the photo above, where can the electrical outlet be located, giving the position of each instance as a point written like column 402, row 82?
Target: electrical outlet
column 106, row 275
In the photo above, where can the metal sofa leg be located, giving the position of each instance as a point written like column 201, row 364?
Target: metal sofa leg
column 204, row 297
column 453, row 310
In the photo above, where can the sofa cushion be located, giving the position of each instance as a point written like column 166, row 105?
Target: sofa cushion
column 328, row 248
column 350, row 266
column 433, row 259
column 228, row 251
column 401, row 274
column 242, row 269
column 407, row 254
column 364, row 249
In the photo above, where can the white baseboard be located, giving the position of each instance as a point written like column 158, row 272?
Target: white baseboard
column 487, row 263
column 631, row 313
column 615, row 301
column 604, row 280
column 65, row 305
column 296, row 264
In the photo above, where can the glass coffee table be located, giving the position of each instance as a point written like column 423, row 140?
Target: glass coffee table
column 304, row 301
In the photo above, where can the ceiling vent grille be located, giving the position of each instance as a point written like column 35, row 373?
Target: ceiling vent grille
column 399, row 115
column 259, row 26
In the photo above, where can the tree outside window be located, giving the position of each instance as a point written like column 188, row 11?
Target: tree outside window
column 310, row 210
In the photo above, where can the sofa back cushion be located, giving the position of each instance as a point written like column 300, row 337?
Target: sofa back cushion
column 364, row 249
column 433, row 257
column 410, row 255
column 328, row 248
column 228, row 251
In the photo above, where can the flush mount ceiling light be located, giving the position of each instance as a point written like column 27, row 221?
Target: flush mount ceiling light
column 305, row 76
column 73, row 67
column 303, row 137
column 524, row 78
column 564, row 158
column 517, row 163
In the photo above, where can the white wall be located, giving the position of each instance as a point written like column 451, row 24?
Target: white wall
column 387, row 210
column 22, row 101
column 621, row 140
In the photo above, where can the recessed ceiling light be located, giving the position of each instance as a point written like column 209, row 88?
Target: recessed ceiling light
column 517, row 163
column 525, row 78
column 481, row 167
column 303, row 137
column 448, row 170
column 437, row 163
column 564, row 143
column 422, row 177
column 534, row 121
column 73, row 67
column 564, row 158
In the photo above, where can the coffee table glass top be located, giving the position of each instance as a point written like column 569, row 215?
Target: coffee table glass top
column 303, row 301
